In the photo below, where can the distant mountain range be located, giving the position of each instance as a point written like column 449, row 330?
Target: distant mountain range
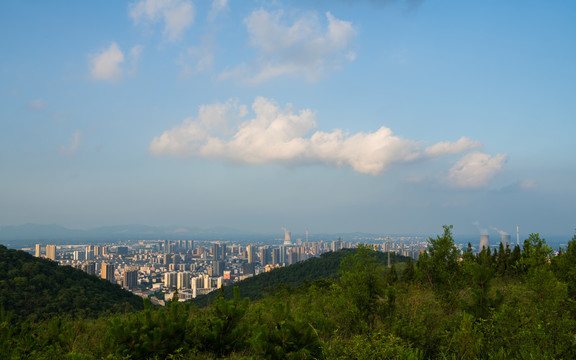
column 29, row 233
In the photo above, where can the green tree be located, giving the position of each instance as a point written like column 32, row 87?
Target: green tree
column 535, row 254
column 362, row 283
column 482, row 303
column 441, row 268
column 564, row 267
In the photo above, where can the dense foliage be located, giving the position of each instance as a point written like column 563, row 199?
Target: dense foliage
column 33, row 289
column 505, row 304
column 326, row 266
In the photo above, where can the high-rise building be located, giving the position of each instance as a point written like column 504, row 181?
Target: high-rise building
column 293, row 256
column 276, row 256
column 219, row 252
column 79, row 255
column 107, row 272
column 51, row 252
column 264, row 256
column 122, row 250
column 130, row 279
column 251, row 254
column 282, row 254
column 248, row 268
column 183, row 280
column 218, row 268
column 170, row 279
column 166, row 246
column 89, row 268
column 90, row 252
column 38, row 251
column 207, row 281
column 97, row 251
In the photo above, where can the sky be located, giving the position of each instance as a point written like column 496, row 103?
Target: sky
column 336, row 116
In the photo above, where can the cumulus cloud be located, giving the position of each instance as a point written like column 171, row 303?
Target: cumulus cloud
column 75, row 143
column 305, row 47
column 106, row 64
column 177, row 15
column 475, row 169
column 286, row 135
column 450, row 148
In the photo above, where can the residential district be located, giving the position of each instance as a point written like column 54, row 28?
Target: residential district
column 155, row 269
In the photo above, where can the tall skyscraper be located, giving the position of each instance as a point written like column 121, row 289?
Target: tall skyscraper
column 219, row 252
column 170, row 279
column 264, row 256
column 97, row 251
column 282, row 254
column 79, row 255
column 183, row 280
column 89, row 268
column 38, row 251
column 130, row 279
column 251, row 254
column 90, row 252
column 218, row 268
column 276, row 257
column 107, row 272
column 51, row 252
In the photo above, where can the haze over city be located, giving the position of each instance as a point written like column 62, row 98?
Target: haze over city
column 337, row 116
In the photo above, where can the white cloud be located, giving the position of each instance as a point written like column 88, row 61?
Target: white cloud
column 134, row 56
column 75, row 143
column 177, row 15
column 218, row 6
column 106, row 64
column 475, row 169
column 37, row 104
column 450, row 148
column 283, row 135
column 305, row 47
column 197, row 59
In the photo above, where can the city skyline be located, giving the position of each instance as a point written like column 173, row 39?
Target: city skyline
column 338, row 116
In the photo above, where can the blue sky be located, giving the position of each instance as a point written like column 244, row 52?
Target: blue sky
column 337, row 116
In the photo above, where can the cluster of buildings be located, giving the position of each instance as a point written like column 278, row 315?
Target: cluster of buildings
column 159, row 268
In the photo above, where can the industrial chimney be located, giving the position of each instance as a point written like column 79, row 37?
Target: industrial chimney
column 484, row 242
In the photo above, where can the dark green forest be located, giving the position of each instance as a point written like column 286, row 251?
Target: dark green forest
column 36, row 289
column 326, row 267
column 513, row 303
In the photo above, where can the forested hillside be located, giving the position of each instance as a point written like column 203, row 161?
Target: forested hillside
column 510, row 304
column 33, row 288
column 326, row 266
